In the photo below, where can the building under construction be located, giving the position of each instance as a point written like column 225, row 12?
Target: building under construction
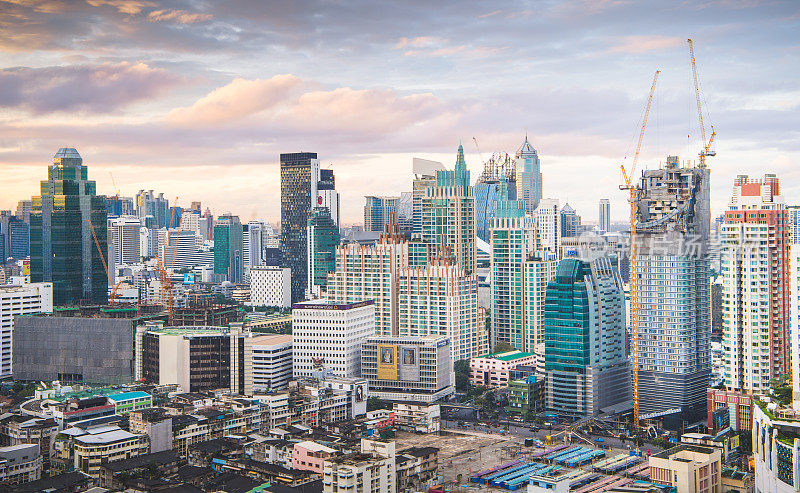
column 674, row 317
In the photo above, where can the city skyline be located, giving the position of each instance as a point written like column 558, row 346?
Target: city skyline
column 200, row 100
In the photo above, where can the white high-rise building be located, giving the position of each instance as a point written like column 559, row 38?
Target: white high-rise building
column 179, row 249
column 794, row 320
column 329, row 336
column 272, row 361
column 374, row 470
column 548, row 226
column 20, row 299
column 148, row 242
column 252, row 246
column 124, row 236
column 270, row 286
column 604, row 220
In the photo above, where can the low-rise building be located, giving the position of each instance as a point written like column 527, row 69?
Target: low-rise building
column 20, row 464
column 272, row 362
column 739, row 407
column 526, row 395
column 408, row 368
column 16, row 300
column 157, row 465
column 309, row 456
column 85, row 448
column 492, row 370
column 419, row 417
column 689, row 468
column 417, row 469
column 373, row 470
column 125, row 402
column 776, row 449
column 16, row 429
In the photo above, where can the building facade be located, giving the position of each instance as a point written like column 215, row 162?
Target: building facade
column 272, row 362
column 124, row 235
column 674, row 291
column 493, row 370
column 228, row 250
column 755, row 289
column 529, row 176
column 17, row 300
column 585, row 339
column 548, row 226
column 604, row 218
column 270, row 286
column 299, row 172
column 379, row 211
column 323, row 238
column 66, row 219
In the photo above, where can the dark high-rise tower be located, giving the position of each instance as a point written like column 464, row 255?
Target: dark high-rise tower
column 62, row 249
column 299, row 181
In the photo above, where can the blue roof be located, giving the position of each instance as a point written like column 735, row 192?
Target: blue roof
column 124, row 396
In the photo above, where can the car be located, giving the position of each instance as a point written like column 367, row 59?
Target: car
column 534, row 428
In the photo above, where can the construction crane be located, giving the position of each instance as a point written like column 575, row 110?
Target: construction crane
column 480, row 156
column 167, row 296
column 112, row 298
column 706, row 150
column 114, row 184
column 629, row 184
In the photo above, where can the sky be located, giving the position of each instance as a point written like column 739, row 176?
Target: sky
column 197, row 99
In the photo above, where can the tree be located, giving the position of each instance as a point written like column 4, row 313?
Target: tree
column 461, row 369
column 503, row 347
column 374, row 403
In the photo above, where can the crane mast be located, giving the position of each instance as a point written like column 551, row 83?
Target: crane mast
column 706, row 150
column 628, row 184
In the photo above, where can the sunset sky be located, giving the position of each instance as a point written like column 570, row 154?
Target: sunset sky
column 198, row 98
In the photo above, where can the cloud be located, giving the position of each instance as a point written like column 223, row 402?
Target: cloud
column 130, row 7
column 180, row 16
column 99, row 88
column 644, row 44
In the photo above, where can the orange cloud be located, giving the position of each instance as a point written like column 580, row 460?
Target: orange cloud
column 180, row 16
column 130, row 7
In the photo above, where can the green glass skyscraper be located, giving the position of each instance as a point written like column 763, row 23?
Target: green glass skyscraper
column 228, row 235
column 323, row 238
column 62, row 248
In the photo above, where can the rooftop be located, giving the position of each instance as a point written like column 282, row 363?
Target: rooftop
column 107, row 437
column 315, row 447
column 508, row 356
column 271, row 339
column 157, row 458
column 128, row 395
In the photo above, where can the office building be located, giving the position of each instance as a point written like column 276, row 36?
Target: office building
column 379, row 212
column 755, row 286
column 604, row 219
column 156, row 206
column 529, row 176
column 548, row 226
column 63, row 250
column 16, row 300
column 270, row 286
column 674, row 292
column 585, row 339
column 272, row 362
column 371, row 272
column 442, row 299
column 198, row 358
column 448, row 219
column 327, row 196
column 148, row 242
column 329, row 336
column 493, row 370
column 416, row 369
column 323, row 238
column 182, row 249
column 299, row 181
column 689, row 469
column 117, row 206
column 252, row 246
column 23, row 212
column 124, row 233
column 17, row 234
column 519, row 276
column 424, row 178
column 228, row 249
column 570, row 222
column 499, row 167
column 73, row 349
column 87, row 448
column 405, row 214
column 736, row 409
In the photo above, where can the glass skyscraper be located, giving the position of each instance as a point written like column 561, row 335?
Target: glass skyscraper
column 529, row 176
column 228, row 249
column 299, row 178
column 323, row 238
column 62, row 248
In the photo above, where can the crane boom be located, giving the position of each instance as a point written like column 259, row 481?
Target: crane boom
column 628, row 184
column 706, row 150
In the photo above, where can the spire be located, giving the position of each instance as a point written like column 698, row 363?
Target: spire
column 460, row 162
column 526, row 149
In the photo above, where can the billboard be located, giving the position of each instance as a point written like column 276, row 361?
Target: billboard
column 409, row 363
column 733, row 442
column 188, row 278
column 359, row 397
column 26, row 267
column 721, row 418
column 387, row 362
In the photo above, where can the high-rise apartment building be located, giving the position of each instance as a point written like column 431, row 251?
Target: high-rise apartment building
column 448, row 219
column 604, row 219
column 519, row 275
column 124, row 233
column 548, row 226
column 379, row 211
column 117, row 206
column 62, row 248
column 674, row 291
column 23, row 211
column 405, row 214
column 150, row 204
column 424, row 178
column 585, row 339
column 228, row 252
column 570, row 222
column 529, row 176
column 794, row 321
column 16, row 300
column 329, row 335
column 299, row 181
column 323, row 238
column 755, row 294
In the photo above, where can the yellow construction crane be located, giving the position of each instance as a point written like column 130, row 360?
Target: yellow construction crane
column 112, row 298
column 628, row 183
column 706, row 150
column 114, row 184
column 167, row 297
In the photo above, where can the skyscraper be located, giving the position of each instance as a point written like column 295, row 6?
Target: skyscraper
column 252, row 245
column 674, row 292
column 499, row 166
column 125, row 238
column 585, row 358
column 379, row 211
column 448, row 219
column 150, row 204
column 424, row 178
column 529, row 176
column 519, row 275
column 548, row 226
column 755, row 290
column 604, row 220
column 228, row 251
column 327, row 196
column 299, row 172
column 62, row 248
column 323, row 238
column 570, row 222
